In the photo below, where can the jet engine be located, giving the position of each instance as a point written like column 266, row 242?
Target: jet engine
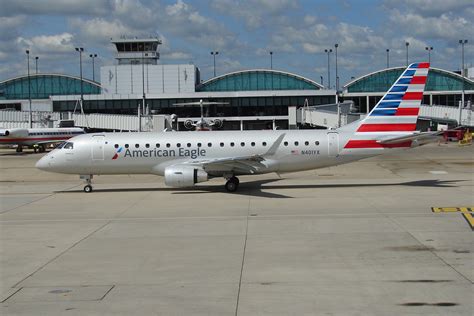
column 189, row 124
column 184, row 176
column 15, row 132
column 217, row 124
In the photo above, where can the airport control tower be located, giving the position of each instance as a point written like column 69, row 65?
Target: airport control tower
column 137, row 71
column 137, row 51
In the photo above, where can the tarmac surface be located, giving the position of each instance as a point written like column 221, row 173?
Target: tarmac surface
column 357, row 239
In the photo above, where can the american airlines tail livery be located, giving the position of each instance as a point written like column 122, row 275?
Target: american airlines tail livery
column 187, row 158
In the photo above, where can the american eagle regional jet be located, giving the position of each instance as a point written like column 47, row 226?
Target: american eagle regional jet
column 187, row 158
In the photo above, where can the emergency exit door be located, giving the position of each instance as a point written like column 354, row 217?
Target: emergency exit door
column 333, row 144
column 98, row 147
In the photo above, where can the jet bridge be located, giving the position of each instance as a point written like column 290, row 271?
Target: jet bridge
column 327, row 115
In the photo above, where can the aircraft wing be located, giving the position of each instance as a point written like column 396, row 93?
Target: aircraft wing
column 244, row 164
column 412, row 137
column 249, row 164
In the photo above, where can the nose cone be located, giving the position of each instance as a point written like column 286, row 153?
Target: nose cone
column 44, row 163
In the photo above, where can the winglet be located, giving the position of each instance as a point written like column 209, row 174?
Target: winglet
column 272, row 150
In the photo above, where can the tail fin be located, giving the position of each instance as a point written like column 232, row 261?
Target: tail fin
column 397, row 112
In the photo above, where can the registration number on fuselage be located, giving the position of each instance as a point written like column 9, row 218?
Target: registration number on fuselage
column 310, row 152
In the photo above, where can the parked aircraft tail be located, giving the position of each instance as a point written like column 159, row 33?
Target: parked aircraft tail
column 395, row 115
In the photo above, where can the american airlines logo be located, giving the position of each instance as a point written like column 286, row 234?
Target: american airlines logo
column 117, row 153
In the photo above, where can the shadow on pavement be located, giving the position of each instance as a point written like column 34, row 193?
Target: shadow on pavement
column 254, row 188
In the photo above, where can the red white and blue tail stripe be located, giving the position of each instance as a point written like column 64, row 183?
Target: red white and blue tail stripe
column 396, row 113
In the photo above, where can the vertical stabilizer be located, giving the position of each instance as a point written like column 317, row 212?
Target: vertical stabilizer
column 396, row 113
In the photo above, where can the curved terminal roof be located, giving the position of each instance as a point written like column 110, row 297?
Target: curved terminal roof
column 42, row 86
column 257, row 80
column 382, row 80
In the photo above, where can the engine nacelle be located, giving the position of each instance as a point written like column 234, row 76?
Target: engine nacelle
column 15, row 132
column 179, row 176
column 217, row 124
column 189, row 124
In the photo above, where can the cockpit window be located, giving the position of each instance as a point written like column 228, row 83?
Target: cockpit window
column 68, row 145
column 60, row 145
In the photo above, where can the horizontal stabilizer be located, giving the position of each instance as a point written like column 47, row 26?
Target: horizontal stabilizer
column 412, row 137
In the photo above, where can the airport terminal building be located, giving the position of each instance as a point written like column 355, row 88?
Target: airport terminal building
column 251, row 99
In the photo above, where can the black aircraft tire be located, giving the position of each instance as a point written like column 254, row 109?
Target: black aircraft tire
column 88, row 189
column 236, row 180
column 231, row 185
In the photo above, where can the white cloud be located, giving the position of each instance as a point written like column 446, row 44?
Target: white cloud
column 176, row 55
column 446, row 26
column 54, row 7
column 430, row 8
column 59, row 43
column 255, row 13
column 100, row 30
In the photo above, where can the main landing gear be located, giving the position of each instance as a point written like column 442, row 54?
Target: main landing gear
column 88, row 186
column 232, row 184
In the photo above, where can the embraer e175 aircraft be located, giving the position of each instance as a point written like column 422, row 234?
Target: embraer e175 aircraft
column 187, row 158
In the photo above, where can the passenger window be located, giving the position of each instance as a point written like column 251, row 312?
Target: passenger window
column 157, row 145
column 189, row 145
column 68, row 146
column 178, row 145
column 126, row 145
column 199, row 144
column 264, row 144
column 137, row 146
column 285, row 143
column 232, row 144
column 306, row 143
column 296, row 143
column 242, row 144
column 222, row 144
column 116, row 145
column 209, row 144
column 168, row 145
column 316, row 143
column 147, row 145
column 252, row 144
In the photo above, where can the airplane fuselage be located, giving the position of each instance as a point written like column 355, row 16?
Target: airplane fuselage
column 151, row 153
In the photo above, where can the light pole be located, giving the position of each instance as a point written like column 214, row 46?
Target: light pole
column 388, row 57
column 328, row 51
column 214, row 53
column 462, row 42
column 406, row 45
column 93, row 56
column 143, row 91
column 80, row 50
column 36, row 64
column 271, row 60
column 29, row 89
column 337, row 76
column 36, row 68
column 429, row 49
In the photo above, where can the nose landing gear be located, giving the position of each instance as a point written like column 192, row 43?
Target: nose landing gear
column 88, row 186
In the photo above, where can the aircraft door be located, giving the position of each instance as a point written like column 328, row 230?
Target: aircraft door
column 98, row 147
column 333, row 144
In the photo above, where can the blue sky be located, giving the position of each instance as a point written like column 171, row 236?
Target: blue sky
column 244, row 32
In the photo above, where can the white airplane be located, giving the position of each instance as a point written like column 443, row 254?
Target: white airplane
column 36, row 136
column 187, row 158
column 202, row 124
